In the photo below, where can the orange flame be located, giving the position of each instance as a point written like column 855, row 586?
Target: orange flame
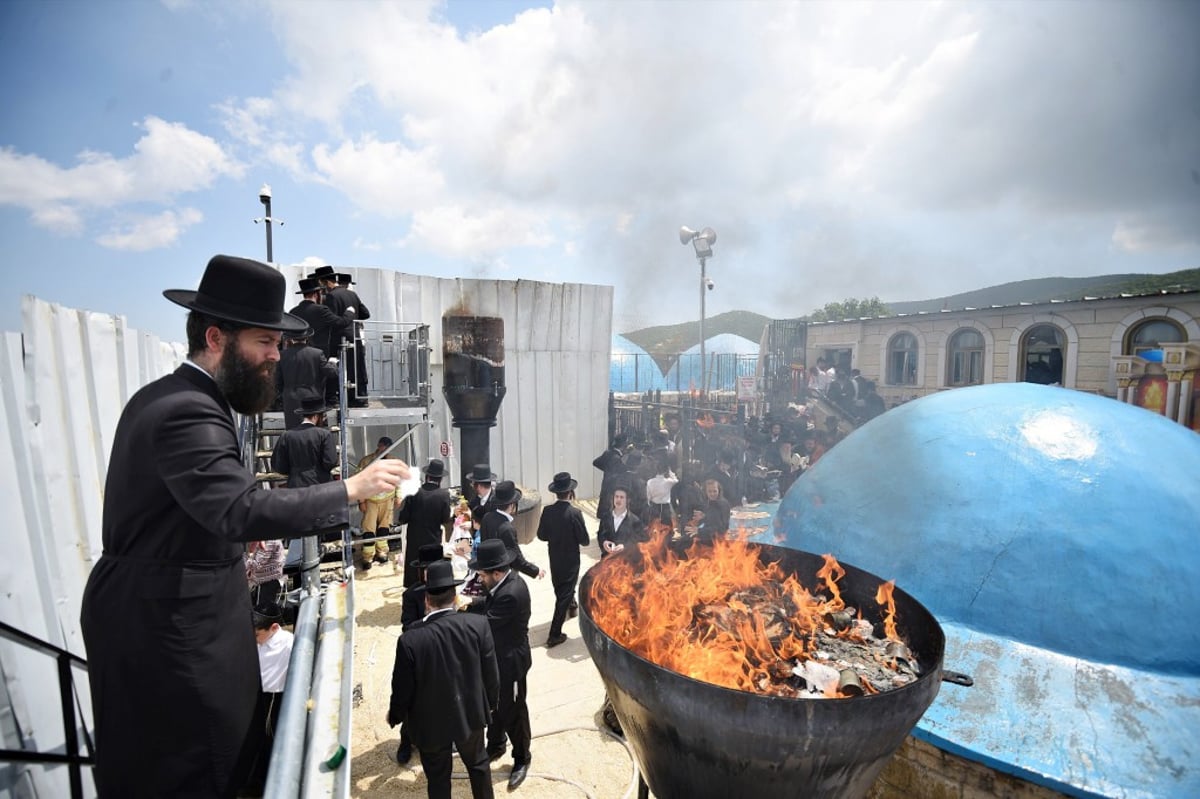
column 687, row 611
column 884, row 597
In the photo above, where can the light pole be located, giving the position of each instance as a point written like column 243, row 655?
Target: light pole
column 264, row 197
column 703, row 242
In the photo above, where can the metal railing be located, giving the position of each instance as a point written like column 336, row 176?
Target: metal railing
column 72, row 758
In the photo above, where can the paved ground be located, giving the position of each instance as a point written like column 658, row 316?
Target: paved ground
column 572, row 756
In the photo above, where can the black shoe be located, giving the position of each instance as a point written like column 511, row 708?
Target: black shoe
column 381, row 558
column 366, row 566
column 555, row 640
column 403, row 754
column 518, row 775
column 495, row 754
column 572, row 611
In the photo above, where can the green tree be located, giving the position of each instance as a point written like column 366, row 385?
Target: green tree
column 849, row 308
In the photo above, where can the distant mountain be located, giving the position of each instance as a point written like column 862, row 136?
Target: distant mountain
column 1054, row 288
column 670, row 339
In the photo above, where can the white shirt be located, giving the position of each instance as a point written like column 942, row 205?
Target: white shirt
column 273, row 657
column 658, row 488
column 617, row 520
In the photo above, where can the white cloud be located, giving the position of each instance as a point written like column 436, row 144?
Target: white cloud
column 476, row 235
column 385, row 178
column 143, row 233
column 168, row 160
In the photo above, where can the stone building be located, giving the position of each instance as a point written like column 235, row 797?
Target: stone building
column 1080, row 344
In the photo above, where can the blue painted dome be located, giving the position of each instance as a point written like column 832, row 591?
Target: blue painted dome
column 1055, row 518
column 1054, row 535
column 631, row 368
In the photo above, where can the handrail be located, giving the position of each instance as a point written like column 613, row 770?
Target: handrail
column 66, row 684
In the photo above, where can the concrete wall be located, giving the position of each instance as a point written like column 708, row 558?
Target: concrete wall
column 1094, row 331
column 921, row 769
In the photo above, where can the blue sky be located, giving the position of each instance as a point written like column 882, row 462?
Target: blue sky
column 905, row 150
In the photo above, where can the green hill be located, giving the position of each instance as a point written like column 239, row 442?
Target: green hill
column 671, row 339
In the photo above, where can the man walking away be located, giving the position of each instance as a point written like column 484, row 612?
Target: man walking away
column 563, row 530
column 445, row 683
column 427, row 514
column 507, row 608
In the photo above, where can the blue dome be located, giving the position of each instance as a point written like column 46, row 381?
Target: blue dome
column 631, row 368
column 1054, row 535
column 686, row 372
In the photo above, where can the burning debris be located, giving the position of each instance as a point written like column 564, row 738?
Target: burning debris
column 719, row 614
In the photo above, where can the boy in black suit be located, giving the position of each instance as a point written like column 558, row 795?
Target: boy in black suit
column 562, row 528
column 443, row 706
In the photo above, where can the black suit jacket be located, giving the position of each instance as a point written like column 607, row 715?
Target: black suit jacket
column 166, row 613
column 445, row 681
column 631, row 531
column 426, row 513
column 563, row 530
column 497, row 525
column 326, row 325
column 302, row 370
column 508, row 610
column 306, row 455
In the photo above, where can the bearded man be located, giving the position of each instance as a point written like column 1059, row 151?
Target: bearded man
column 172, row 659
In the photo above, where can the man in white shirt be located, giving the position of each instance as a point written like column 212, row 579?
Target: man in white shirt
column 274, row 652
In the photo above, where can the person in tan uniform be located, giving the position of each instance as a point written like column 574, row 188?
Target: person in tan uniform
column 377, row 512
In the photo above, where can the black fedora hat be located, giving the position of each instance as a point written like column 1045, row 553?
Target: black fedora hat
column 440, row 575
column 309, row 285
column 435, row 471
column 267, row 614
column 506, row 493
column 313, row 403
column 482, row 473
column 240, row 290
column 428, row 554
column 345, row 279
column 562, row 483
column 324, row 273
column 492, row 554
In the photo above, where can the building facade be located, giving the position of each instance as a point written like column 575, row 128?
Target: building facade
column 1079, row 344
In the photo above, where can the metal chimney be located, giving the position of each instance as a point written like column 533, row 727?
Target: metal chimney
column 473, row 383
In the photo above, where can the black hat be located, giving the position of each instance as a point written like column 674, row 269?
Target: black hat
column 240, row 290
column 428, row 554
column 435, row 471
column 492, row 554
column 324, row 273
column 384, row 441
column 266, row 615
column 344, row 279
column 482, row 473
column 313, row 403
column 298, row 335
column 562, row 483
column 506, row 493
column 440, row 575
column 309, row 285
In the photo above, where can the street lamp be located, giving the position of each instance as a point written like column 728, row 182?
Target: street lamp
column 264, row 197
column 703, row 242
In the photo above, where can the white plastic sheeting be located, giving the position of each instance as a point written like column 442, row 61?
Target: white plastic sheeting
column 66, row 377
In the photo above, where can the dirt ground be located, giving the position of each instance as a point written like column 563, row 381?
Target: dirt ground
column 572, row 754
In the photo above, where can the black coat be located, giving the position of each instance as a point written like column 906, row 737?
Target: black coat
column 166, row 614
column 327, row 327
column 631, row 531
column 445, row 681
column 497, row 525
column 301, row 371
column 426, row 513
column 508, row 610
column 340, row 299
column 306, row 455
column 563, row 530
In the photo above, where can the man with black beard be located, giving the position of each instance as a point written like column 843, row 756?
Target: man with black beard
column 172, row 660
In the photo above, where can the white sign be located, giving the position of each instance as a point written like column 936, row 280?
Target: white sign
column 745, row 388
column 447, row 449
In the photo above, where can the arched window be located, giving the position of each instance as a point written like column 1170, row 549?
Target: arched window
column 1152, row 333
column 1043, row 349
column 902, row 360
column 966, row 358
